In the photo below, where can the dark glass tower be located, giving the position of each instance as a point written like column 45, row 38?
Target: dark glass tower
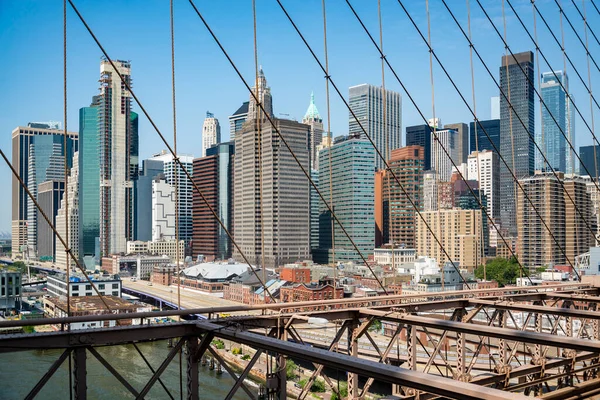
column 492, row 128
column 516, row 146
column 420, row 135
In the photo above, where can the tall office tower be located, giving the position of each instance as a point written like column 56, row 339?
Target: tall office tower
column 430, row 191
column 213, row 175
column 163, row 209
column 263, row 93
column 314, row 120
column 69, row 207
column 366, row 101
column 420, row 135
column 555, row 124
column 594, row 194
column 590, row 160
column 515, row 144
column 89, row 184
column 211, row 132
column 479, row 141
column 314, row 211
column 536, row 245
column 578, row 237
column 495, row 107
column 236, row 121
column 462, row 141
column 484, row 167
column 185, row 191
column 398, row 212
column 118, row 158
column 458, row 231
column 284, row 217
column 49, row 195
column 379, row 211
column 353, row 168
column 37, row 155
column 325, row 142
column 440, row 149
column 143, row 198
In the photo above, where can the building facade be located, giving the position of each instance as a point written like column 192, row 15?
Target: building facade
column 67, row 218
column 420, row 135
column 385, row 128
column 440, row 149
column 236, row 121
column 313, row 119
column 37, row 156
column 516, row 145
column 590, row 160
column 478, row 135
column 214, row 177
column 211, row 132
column 49, row 196
column 143, row 198
column 399, row 210
column 484, row 167
column 163, row 210
column 352, row 172
column 462, row 141
column 118, row 157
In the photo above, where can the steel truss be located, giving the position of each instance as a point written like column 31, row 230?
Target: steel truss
column 508, row 345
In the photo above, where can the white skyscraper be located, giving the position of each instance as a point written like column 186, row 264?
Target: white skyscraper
column 314, row 120
column 163, row 210
column 211, row 132
column 440, row 163
column 484, row 167
column 366, row 101
column 185, row 189
column 73, row 211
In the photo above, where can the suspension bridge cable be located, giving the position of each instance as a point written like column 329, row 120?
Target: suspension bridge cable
column 583, row 17
column 377, row 150
column 425, row 119
column 330, row 143
column 589, row 55
column 162, row 137
column 286, row 144
column 66, row 159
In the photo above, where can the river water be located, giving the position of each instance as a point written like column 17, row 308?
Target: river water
column 20, row 371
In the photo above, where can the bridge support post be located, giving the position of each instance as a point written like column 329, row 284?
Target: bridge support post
column 353, row 351
column 80, row 374
column 192, row 368
column 411, row 351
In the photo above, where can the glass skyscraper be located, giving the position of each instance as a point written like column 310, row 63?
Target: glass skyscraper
column 420, row 135
column 352, row 164
column 366, row 101
column 492, row 128
column 555, row 123
column 516, row 146
column 587, row 155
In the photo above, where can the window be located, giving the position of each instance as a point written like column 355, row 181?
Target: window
column 101, row 286
column 115, row 293
column 88, row 287
column 115, row 286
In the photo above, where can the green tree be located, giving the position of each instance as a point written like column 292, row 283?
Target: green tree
column 500, row 270
column 20, row 265
column 290, row 369
column 375, row 326
column 343, row 391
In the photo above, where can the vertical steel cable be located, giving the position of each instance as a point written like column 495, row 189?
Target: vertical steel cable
column 475, row 121
column 330, row 144
column 567, row 90
column 387, row 139
column 510, row 117
column 587, row 52
column 539, row 83
column 176, row 181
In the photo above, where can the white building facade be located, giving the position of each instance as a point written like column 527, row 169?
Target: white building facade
column 69, row 205
column 163, row 210
column 211, row 132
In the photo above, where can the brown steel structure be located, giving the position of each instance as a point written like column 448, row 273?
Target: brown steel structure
column 480, row 344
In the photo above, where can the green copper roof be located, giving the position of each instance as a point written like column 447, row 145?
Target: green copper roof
column 312, row 112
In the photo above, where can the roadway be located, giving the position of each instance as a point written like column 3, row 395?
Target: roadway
column 190, row 298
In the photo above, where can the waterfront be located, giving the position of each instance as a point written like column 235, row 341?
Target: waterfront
column 21, row 371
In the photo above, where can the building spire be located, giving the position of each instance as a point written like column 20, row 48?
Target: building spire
column 312, row 113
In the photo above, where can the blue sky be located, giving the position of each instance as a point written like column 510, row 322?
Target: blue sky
column 136, row 30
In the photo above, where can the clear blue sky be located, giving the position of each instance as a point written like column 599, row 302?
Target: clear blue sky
column 138, row 30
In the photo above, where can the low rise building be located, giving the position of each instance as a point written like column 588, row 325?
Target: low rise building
column 80, row 286
column 167, row 248
column 10, row 289
column 140, row 266
column 211, row 276
column 164, row 274
column 243, row 288
column 401, row 255
column 310, row 292
column 56, row 307
column 297, row 273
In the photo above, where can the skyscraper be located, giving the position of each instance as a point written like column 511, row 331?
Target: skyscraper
column 484, row 167
column 516, row 146
column 38, row 156
column 49, row 195
column 407, row 164
column 163, row 209
column 284, row 215
column 185, row 188
column 462, row 141
column 352, row 175
column 211, row 132
column 143, row 198
column 89, row 183
column 314, row 120
column 366, row 101
column 590, row 160
column 118, row 158
column 69, row 205
column 555, row 121
column 444, row 146
column 479, row 141
column 213, row 175
column 236, row 121
column 263, row 92
column 420, row 135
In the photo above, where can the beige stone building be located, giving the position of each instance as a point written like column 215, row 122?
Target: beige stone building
column 458, row 231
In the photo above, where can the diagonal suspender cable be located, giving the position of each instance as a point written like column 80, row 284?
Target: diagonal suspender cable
column 586, row 25
column 563, row 87
column 443, row 148
column 65, row 160
column 286, row 144
column 510, row 105
column 377, row 150
column 187, row 173
column 329, row 136
column 589, row 56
